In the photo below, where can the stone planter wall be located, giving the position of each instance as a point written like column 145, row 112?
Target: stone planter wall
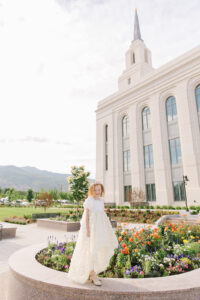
column 59, row 225
column 63, row 225
column 29, row 280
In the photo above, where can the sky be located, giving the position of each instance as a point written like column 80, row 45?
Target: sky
column 58, row 58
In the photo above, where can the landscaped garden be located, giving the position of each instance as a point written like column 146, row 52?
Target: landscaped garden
column 162, row 251
column 24, row 212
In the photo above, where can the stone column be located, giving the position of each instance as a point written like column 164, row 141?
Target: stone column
column 189, row 138
column 136, row 148
column 162, row 164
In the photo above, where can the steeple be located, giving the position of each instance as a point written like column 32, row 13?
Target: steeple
column 138, row 60
column 137, row 34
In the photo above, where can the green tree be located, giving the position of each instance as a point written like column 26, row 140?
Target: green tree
column 78, row 183
column 12, row 194
column 29, row 195
column 54, row 193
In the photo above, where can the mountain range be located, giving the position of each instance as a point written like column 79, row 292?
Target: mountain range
column 24, row 178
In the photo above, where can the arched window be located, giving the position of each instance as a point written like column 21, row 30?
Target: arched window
column 197, row 94
column 146, row 118
column 106, row 147
column 125, row 126
column 171, row 109
column 133, row 58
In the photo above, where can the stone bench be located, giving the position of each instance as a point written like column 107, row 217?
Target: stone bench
column 30, row 280
column 7, row 231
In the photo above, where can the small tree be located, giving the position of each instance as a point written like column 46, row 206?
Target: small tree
column 78, row 184
column 29, row 195
column 54, row 193
column 137, row 196
column 45, row 200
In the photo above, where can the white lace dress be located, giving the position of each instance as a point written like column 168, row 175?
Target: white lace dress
column 94, row 252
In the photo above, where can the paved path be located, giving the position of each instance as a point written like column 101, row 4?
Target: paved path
column 26, row 235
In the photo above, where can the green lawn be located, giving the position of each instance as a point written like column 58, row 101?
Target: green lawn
column 20, row 211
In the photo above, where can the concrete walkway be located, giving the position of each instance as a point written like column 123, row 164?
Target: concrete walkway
column 26, row 235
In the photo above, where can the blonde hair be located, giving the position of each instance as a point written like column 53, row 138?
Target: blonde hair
column 92, row 187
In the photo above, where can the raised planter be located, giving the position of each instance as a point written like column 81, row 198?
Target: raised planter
column 63, row 225
column 30, row 280
column 186, row 217
column 59, row 225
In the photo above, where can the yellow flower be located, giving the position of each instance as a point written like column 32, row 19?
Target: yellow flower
column 185, row 241
column 192, row 237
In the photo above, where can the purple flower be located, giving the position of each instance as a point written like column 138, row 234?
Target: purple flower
column 127, row 271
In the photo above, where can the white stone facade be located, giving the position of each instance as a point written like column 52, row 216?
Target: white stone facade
column 141, row 86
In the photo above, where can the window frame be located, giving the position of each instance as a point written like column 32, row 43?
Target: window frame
column 146, row 118
column 169, row 106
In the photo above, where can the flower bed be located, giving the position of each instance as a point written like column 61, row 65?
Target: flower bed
column 137, row 216
column 19, row 220
column 163, row 251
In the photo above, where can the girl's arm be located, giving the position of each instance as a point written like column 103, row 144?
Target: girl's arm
column 87, row 222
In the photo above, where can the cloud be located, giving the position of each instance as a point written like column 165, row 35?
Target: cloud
column 58, row 58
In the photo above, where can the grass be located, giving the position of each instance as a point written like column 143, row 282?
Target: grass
column 21, row 211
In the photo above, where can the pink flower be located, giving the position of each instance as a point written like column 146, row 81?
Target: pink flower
column 141, row 272
column 66, row 266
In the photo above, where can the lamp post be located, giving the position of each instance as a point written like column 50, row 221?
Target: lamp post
column 185, row 179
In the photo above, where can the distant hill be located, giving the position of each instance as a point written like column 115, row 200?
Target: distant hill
column 24, row 178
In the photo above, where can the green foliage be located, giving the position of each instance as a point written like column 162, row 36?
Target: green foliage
column 29, row 195
column 78, row 183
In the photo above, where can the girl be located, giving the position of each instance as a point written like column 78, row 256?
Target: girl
column 96, row 240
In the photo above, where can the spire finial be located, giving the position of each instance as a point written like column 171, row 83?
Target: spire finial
column 137, row 34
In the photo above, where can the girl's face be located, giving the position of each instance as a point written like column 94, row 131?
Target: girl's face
column 97, row 190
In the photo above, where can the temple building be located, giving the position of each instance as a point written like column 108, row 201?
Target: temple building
column 148, row 132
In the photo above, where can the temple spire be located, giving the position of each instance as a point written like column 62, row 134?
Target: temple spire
column 137, row 34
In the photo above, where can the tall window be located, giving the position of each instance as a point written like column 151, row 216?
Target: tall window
column 146, row 118
column 197, row 94
column 146, row 56
column 125, row 126
column 175, row 151
column 171, row 109
column 151, row 192
column 106, row 147
column 133, row 58
column 148, row 156
column 126, row 160
column 127, row 192
column 179, row 191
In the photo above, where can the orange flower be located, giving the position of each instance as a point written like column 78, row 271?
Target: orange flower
column 156, row 236
column 130, row 239
column 136, row 250
column 126, row 249
column 120, row 238
column 156, row 229
column 149, row 242
column 166, row 228
column 123, row 233
column 122, row 251
column 132, row 229
column 136, row 234
column 124, row 245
